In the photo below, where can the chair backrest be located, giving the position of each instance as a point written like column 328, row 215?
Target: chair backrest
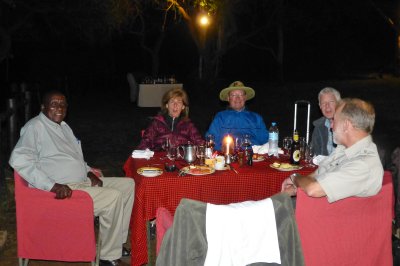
column 186, row 241
column 352, row 231
column 51, row 229
column 164, row 220
column 395, row 168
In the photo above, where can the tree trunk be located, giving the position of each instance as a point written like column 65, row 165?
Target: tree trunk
column 5, row 44
column 218, row 51
column 155, row 64
column 155, row 54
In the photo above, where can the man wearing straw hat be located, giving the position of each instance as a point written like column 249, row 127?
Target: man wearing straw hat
column 237, row 120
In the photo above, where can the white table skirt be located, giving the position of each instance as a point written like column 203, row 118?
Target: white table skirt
column 150, row 95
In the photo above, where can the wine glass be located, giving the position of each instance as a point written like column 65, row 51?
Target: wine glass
column 238, row 144
column 210, row 141
column 172, row 154
column 166, row 144
column 309, row 155
column 246, row 141
column 210, row 144
column 286, row 144
column 303, row 145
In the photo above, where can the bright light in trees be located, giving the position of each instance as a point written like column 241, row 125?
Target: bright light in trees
column 204, row 20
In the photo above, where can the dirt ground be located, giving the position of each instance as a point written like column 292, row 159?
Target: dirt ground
column 109, row 125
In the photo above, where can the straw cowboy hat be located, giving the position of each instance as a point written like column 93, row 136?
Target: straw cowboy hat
column 237, row 85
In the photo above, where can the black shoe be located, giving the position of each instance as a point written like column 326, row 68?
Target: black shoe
column 109, row 263
column 126, row 252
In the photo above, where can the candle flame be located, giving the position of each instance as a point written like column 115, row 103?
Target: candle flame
column 228, row 144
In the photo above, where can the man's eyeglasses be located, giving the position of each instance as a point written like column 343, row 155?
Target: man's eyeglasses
column 237, row 95
column 55, row 105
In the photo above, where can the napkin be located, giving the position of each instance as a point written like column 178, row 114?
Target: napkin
column 145, row 154
column 263, row 149
column 233, row 239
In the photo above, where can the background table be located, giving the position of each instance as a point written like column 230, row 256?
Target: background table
column 223, row 187
column 150, row 94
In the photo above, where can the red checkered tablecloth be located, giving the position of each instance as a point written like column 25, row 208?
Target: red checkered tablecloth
column 222, row 187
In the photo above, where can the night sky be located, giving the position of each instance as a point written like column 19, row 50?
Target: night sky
column 338, row 40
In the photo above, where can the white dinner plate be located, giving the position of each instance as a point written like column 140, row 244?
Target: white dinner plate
column 149, row 171
column 198, row 170
column 286, row 169
column 259, row 158
column 223, row 169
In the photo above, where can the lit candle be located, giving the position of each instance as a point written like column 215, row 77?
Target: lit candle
column 227, row 144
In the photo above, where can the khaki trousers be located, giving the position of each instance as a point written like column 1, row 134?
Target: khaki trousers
column 113, row 204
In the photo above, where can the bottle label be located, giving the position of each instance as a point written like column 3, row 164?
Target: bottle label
column 273, row 136
column 296, row 155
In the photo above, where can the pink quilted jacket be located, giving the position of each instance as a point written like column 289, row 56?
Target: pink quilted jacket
column 155, row 135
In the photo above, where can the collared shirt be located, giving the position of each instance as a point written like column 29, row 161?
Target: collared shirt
column 329, row 144
column 230, row 108
column 48, row 153
column 321, row 135
column 353, row 171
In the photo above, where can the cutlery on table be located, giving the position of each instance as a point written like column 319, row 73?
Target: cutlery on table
column 182, row 172
column 233, row 169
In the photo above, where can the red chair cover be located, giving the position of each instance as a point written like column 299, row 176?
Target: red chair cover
column 352, row 231
column 51, row 229
column 164, row 221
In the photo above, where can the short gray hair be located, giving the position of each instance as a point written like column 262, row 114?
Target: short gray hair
column 326, row 90
column 360, row 113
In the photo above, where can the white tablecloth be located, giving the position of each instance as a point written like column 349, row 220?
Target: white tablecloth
column 150, row 95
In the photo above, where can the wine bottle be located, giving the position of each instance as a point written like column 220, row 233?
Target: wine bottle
column 295, row 149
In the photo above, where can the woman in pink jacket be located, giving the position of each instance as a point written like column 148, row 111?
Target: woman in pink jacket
column 172, row 123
